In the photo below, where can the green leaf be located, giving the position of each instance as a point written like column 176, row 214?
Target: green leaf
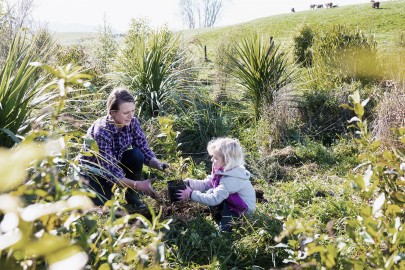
column 399, row 196
column 104, row 266
column 359, row 110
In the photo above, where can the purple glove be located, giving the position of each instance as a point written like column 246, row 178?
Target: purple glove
column 184, row 194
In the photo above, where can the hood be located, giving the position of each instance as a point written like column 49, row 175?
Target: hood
column 238, row 172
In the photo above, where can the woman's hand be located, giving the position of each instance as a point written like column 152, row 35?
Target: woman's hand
column 184, row 194
column 155, row 163
column 163, row 165
column 146, row 187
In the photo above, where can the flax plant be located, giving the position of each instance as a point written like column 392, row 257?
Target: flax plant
column 148, row 65
column 20, row 87
column 260, row 68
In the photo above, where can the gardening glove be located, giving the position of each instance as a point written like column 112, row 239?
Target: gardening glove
column 186, row 182
column 184, row 194
column 155, row 163
column 146, row 187
column 163, row 165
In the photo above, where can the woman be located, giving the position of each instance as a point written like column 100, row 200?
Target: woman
column 123, row 150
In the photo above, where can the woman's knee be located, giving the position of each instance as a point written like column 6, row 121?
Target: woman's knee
column 133, row 157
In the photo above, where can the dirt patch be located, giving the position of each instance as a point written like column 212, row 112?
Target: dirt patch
column 184, row 210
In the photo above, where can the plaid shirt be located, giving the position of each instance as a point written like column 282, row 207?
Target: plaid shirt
column 113, row 142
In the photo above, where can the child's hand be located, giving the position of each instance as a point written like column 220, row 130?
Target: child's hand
column 186, row 181
column 184, row 194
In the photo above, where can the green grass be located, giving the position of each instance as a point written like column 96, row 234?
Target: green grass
column 386, row 24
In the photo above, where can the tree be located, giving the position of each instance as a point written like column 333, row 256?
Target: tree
column 106, row 48
column 203, row 12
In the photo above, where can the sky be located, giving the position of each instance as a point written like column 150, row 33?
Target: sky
column 158, row 12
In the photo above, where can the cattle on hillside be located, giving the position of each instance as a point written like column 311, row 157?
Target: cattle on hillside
column 312, row 6
column 329, row 5
column 375, row 4
column 319, row 6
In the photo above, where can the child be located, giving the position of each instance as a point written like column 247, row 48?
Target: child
column 228, row 187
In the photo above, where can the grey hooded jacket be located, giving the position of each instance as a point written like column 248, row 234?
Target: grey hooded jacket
column 232, row 181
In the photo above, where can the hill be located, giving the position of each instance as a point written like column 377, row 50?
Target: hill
column 387, row 24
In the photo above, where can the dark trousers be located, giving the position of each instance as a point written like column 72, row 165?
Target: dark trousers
column 132, row 163
column 224, row 216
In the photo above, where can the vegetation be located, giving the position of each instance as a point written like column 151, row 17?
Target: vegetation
column 325, row 147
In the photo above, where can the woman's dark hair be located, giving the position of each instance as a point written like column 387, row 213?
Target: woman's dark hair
column 117, row 97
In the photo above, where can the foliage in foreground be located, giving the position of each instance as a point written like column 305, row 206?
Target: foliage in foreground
column 47, row 216
column 375, row 237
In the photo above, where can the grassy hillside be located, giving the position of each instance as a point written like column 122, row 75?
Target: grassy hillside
column 386, row 24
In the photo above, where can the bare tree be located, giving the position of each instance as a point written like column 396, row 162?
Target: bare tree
column 13, row 17
column 212, row 9
column 188, row 12
column 203, row 12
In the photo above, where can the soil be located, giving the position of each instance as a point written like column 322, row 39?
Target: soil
column 183, row 211
column 188, row 210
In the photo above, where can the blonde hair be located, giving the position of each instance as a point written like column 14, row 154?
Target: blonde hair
column 229, row 150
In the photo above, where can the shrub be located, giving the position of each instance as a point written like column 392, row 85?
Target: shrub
column 201, row 121
column 312, row 151
column 74, row 54
column 260, row 68
column 322, row 117
column 279, row 124
column 390, row 114
column 346, row 54
column 374, row 234
column 303, row 42
column 147, row 65
column 20, row 91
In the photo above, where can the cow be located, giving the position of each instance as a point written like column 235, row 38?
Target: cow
column 312, row 6
column 292, row 10
column 375, row 4
column 329, row 5
column 319, row 6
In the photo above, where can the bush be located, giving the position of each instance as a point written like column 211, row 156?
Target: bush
column 261, row 68
column 201, row 121
column 322, row 117
column 311, row 151
column 346, row 54
column 390, row 114
column 303, row 41
column 375, row 228
column 148, row 66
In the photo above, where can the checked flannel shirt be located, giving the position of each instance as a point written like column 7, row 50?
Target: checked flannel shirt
column 113, row 142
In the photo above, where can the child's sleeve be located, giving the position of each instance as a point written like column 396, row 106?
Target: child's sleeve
column 213, row 198
column 200, row 185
